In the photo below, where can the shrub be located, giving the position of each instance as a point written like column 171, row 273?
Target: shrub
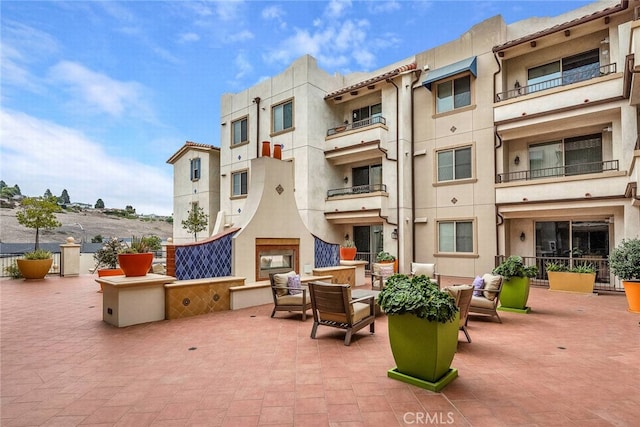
column 624, row 260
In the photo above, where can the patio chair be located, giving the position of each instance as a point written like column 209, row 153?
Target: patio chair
column 462, row 294
column 332, row 305
column 380, row 274
column 485, row 301
column 286, row 297
column 429, row 270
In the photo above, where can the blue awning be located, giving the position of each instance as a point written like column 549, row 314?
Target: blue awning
column 468, row 64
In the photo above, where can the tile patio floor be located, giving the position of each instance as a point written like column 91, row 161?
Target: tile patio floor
column 574, row 360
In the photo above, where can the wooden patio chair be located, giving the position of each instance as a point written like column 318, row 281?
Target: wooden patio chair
column 333, row 306
column 463, row 295
column 489, row 297
column 283, row 300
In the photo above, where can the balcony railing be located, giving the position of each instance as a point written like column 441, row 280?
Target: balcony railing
column 358, row 189
column 568, row 77
column 579, row 169
column 605, row 281
column 359, row 124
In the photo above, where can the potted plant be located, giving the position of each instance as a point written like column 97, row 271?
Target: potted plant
column 107, row 257
column 37, row 214
column 423, row 330
column 579, row 278
column 384, row 257
column 136, row 259
column 624, row 262
column 348, row 250
column 515, row 287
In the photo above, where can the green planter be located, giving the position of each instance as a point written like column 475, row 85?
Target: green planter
column 423, row 350
column 514, row 295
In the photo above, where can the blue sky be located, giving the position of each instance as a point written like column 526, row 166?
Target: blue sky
column 96, row 96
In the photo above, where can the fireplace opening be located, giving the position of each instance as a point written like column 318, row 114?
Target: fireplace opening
column 275, row 256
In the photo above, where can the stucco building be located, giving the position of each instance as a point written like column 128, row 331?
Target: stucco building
column 512, row 139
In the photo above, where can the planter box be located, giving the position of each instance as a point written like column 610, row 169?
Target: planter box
column 514, row 295
column 571, row 282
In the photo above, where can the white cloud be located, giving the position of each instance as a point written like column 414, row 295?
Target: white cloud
column 336, row 8
column 38, row 154
column 188, row 37
column 384, row 6
column 240, row 36
column 228, row 10
column 99, row 93
column 273, row 12
column 243, row 65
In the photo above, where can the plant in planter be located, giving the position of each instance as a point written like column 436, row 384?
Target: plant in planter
column 348, row 250
column 107, row 257
column 37, row 214
column 624, row 262
column 384, row 257
column 136, row 258
column 579, row 278
column 423, row 330
column 515, row 288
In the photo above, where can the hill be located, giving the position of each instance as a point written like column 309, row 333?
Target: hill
column 81, row 225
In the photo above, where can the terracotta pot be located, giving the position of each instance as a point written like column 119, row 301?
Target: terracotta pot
column 135, row 265
column 34, row 268
column 277, row 151
column 103, row 272
column 632, row 292
column 348, row 254
column 266, row 149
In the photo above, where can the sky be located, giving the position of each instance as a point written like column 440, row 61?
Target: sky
column 96, row 96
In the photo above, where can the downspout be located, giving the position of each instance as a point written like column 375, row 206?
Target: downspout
column 397, row 166
column 256, row 100
column 496, row 145
column 418, row 73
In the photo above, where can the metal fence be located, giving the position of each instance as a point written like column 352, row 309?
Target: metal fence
column 8, row 260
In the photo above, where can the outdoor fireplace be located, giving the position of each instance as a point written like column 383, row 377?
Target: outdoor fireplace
column 276, row 256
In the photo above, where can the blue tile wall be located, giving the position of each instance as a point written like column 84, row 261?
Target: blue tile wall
column 209, row 259
column 326, row 254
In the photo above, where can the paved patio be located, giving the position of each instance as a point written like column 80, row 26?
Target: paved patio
column 574, row 360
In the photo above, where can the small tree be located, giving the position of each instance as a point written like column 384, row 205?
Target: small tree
column 48, row 194
column 99, row 204
column 64, row 197
column 38, row 214
column 196, row 221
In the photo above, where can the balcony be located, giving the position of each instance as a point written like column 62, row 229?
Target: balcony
column 567, row 78
column 357, row 125
column 358, row 189
column 356, row 204
column 568, row 170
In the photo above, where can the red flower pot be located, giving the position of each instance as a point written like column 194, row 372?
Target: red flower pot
column 135, row 265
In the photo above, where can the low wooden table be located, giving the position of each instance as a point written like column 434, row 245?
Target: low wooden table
column 129, row 301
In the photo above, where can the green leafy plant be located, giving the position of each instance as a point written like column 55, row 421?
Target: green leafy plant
column 585, row 267
column 13, row 271
column 38, row 214
column 624, row 259
column 383, row 256
column 418, row 296
column 107, row 255
column 37, row 254
column 138, row 245
column 555, row 266
column 348, row 244
column 514, row 267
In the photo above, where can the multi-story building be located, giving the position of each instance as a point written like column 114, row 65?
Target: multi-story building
column 512, row 139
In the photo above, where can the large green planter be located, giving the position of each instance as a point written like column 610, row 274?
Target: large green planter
column 423, row 350
column 514, row 295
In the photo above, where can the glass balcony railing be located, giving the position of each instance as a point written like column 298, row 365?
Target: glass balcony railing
column 358, row 189
column 568, row 170
column 355, row 125
column 568, row 77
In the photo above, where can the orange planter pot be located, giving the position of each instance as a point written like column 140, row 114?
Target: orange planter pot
column 348, row 254
column 135, row 265
column 110, row 272
column 632, row 291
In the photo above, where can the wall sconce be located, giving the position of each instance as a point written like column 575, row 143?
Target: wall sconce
column 516, row 160
column 394, row 234
column 346, row 179
column 522, row 236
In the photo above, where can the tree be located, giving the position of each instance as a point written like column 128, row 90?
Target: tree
column 196, row 221
column 99, row 204
column 97, row 238
column 38, row 214
column 48, row 194
column 2, row 184
column 65, row 197
column 130, row 209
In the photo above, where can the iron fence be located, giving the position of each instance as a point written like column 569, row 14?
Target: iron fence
column 567, row 170
column 8, row 260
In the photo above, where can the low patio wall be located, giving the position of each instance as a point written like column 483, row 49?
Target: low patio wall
column 185, row 298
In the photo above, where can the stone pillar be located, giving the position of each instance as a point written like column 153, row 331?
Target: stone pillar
column 171, row 258
column 70, row 258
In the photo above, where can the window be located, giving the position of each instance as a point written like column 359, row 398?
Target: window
column 239, row 182
column 454, row 164
column 368, row 115
column 565, row 71
column 570, row 156
column 455, row 236
column 239, row 131
column 367, row 176
column 282, row 116
column 453, row 94
column 195, row 169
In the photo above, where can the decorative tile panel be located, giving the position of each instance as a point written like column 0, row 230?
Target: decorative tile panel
column 326, row 254
column 209, row 259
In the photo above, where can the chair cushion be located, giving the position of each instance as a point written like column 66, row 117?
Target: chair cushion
column 360, row 311
column 491, row 282
column 482, row 302
column 291, row 299
column 478, row 284
column 281, row 281
column 421, row 269
column 293, row 282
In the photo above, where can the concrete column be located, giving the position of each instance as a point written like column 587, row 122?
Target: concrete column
column 70, row 258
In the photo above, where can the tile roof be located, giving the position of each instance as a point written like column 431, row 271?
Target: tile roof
column 372, row 80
